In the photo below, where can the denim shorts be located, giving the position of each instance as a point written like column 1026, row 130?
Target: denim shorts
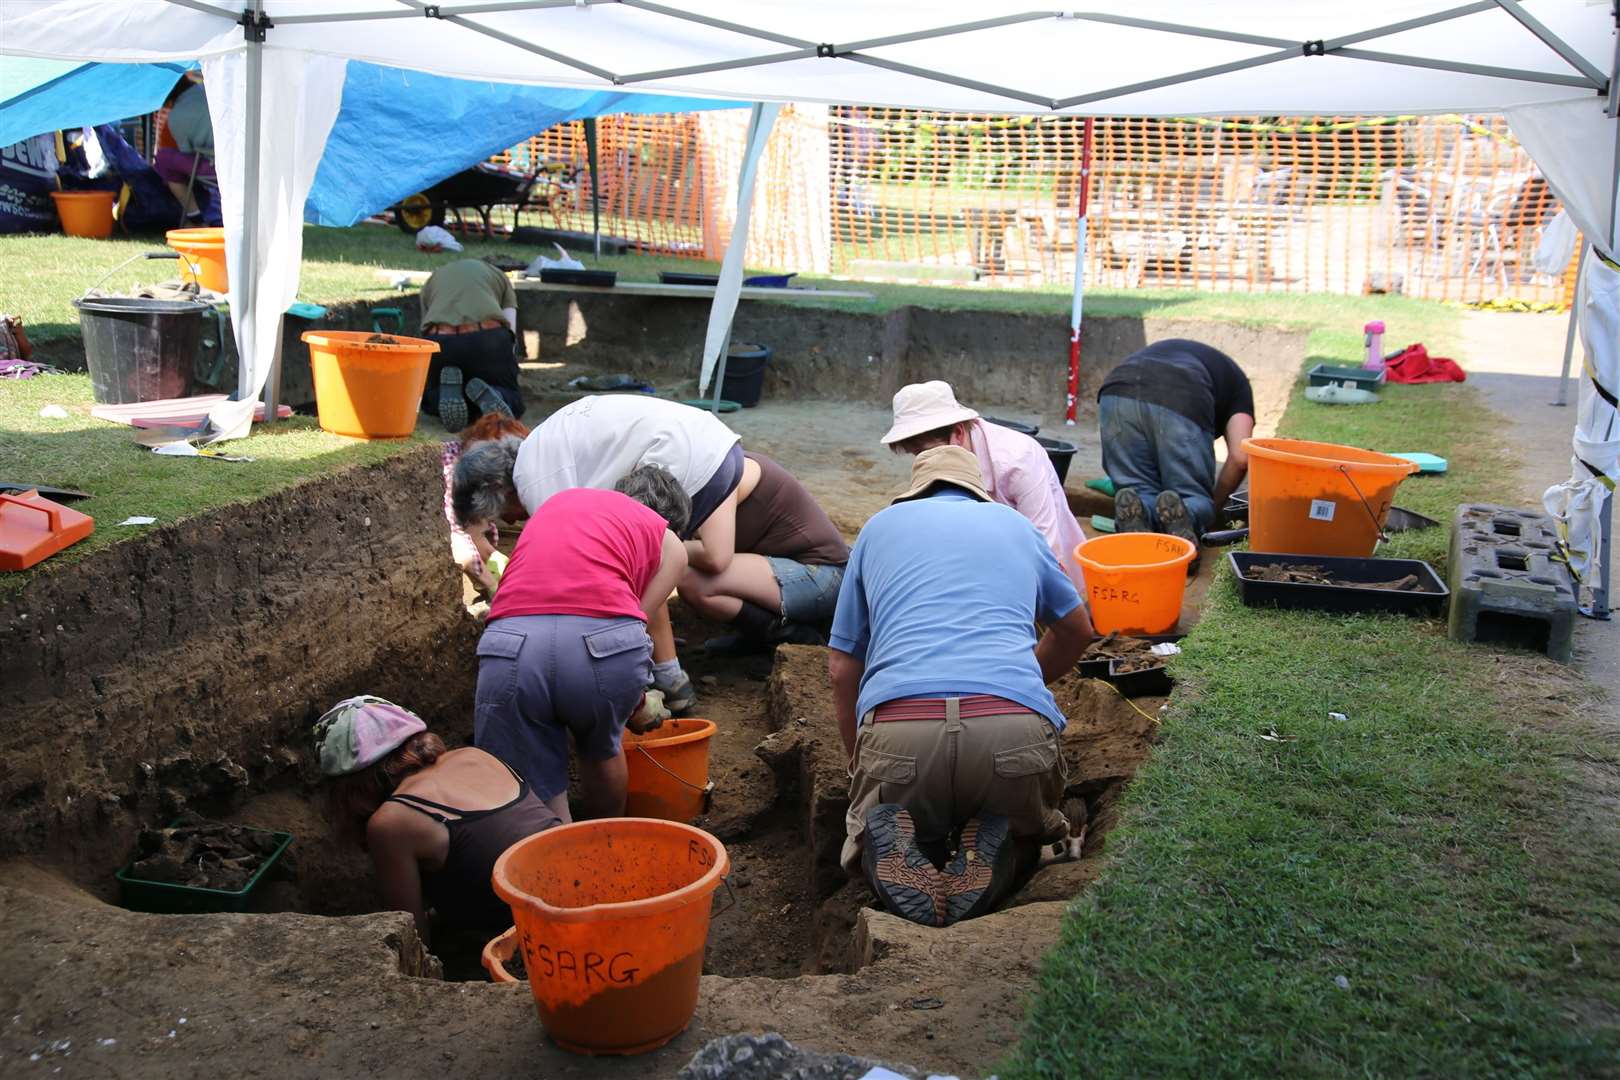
column 809, row 592
column 542, row 678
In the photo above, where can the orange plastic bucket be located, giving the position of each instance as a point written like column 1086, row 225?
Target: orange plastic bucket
column 669, row 770
column 1311, row 498
column 204, row 261
column 498, row 953
column 86, row 213
column 368, row 389
column 613, row 915
column 1135, row 581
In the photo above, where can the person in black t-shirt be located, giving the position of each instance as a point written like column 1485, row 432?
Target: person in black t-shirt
column 1160, row 412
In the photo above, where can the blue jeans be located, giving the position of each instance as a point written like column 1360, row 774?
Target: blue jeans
column 1150, row 449
column 809, row 592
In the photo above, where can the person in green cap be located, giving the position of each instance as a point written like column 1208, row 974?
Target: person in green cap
column 433, row 820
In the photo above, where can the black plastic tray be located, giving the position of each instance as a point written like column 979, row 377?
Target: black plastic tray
column 1103, row 668
column 1143, row 682
column 682, row 277
column 553, row 276
column 1428, row 599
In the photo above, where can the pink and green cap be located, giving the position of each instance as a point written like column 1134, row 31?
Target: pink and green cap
column 360, row 731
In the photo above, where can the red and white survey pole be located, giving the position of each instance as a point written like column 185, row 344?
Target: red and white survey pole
column 1079, row 273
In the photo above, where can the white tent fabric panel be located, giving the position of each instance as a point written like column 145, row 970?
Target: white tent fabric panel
column 731, row 267
column 1578, row 502
column 1577, row 146
column 297, row 107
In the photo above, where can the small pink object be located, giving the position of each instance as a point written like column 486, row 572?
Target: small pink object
column 1374, row 332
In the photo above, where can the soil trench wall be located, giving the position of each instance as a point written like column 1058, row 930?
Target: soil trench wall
column 187, row 667
column 1010, row 359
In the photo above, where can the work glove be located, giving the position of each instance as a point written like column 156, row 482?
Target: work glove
column 651, row 714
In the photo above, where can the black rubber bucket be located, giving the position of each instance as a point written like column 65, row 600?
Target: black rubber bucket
column 139, row 349
column 1019, row 426
column 1061, row 452
column 745, row 373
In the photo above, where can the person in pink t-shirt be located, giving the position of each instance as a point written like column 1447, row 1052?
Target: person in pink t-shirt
column 565, row 650
column 1014, row 467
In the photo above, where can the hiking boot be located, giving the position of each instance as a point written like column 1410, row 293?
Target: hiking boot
column 1176, row 521
column 981, row 869
column 679, row 697
column 483, row 395
column 1129, row 513
column 902, row 876
column 452, row 403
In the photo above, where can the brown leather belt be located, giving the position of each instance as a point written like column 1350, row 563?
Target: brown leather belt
column 462, row 328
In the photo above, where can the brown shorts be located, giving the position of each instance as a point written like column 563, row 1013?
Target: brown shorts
column 947, row 771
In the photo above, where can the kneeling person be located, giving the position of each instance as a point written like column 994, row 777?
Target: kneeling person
column 940, row 687
column 565, row 650
column 775, row 576
column 433, row 820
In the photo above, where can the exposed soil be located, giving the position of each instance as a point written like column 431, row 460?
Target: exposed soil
column 382, row 339
column 1311, row 574
column 202, row 854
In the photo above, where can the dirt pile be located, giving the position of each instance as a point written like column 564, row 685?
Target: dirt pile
column 202, row 854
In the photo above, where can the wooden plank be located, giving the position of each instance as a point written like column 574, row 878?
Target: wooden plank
column 651, row 288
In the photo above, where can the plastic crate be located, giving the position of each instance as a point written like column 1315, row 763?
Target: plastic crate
column 1429, row 598
column 161, row 897
column 1331, row 375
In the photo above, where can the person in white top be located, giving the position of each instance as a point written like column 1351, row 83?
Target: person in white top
column 593, row 443
column 1015, row 468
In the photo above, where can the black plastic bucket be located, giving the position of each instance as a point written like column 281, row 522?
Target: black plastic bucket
column 1019, row 426
column 139, row 349
column 745, row 373
column 1061, row 452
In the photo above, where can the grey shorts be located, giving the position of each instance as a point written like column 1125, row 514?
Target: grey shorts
column 544, row 677
column 809, row 592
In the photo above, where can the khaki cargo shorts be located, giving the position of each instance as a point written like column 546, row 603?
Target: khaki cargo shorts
column 946, row 771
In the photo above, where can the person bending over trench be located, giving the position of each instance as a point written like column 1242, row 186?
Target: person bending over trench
column 939, row 684
column 593, row 443
column 779, row 578
column 1013, row 468
column 433, row 820
column 565, row 650
column 473, row 551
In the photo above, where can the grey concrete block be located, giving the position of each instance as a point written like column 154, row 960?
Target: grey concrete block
column 1506, row 586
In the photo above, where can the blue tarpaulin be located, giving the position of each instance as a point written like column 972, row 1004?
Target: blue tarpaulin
column 398, row 131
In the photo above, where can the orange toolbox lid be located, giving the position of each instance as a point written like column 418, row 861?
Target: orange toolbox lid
column 33, row 528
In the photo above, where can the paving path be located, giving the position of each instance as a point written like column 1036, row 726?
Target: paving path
column 1514, row 360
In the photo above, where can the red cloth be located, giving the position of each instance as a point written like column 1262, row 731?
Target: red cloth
column 584, row 552
column 1413, row 364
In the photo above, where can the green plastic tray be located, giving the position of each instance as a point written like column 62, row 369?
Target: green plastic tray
column 160, row 897
column 1360, row 378
column 1426, row 463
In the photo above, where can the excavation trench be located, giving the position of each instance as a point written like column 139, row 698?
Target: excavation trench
column 184, row 671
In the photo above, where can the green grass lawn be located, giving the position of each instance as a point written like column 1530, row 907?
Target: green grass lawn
column 1417, row 889
column 126, row 479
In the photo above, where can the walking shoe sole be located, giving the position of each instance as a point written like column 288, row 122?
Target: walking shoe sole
column 1174, row 520
column 902, row 876
column 483, row 395
column 452, row 403
column 1129, row 513
column 976, row 876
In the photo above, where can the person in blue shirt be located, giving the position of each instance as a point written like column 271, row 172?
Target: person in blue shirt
column 939, row 679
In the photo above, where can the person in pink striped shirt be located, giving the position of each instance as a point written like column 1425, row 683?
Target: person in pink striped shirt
column 1014, row 467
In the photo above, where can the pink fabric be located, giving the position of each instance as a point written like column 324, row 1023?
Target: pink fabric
column 462, row 548
column 1017, row 473
column 584, row 552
